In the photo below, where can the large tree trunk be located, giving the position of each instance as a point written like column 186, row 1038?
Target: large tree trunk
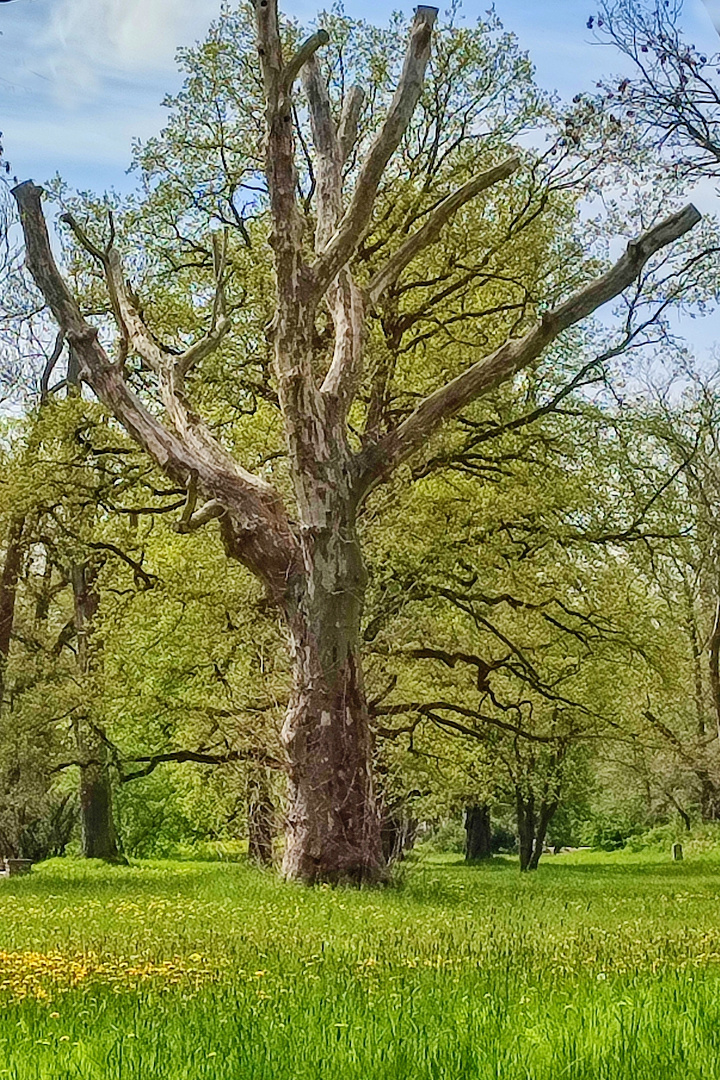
column 333, row 825
column 99, row 838
column 478, row 833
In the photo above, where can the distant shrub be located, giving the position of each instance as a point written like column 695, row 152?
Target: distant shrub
column 504, row 840
column 702, row 838
column 608, row 834
column 447, row 839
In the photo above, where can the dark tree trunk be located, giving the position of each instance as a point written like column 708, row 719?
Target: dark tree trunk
column 547, row 811
column 397, row 833
column 99, row 837
column 333, row 824
column 261, row 824
column 526, row 828
column 478, row 833
column 8, row 590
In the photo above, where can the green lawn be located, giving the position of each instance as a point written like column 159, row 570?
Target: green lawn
column 595, row 967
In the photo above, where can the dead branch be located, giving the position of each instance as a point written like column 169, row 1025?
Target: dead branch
column 377, row 461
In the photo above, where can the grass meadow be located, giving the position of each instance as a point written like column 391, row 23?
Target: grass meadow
column 599, row 966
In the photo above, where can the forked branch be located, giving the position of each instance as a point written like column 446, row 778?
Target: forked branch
column 261, row 534
column 356, row 219
column 434, row 225
column 378, row 460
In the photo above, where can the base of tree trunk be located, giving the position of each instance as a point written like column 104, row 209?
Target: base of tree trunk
column 261, row 826
column 99, row 839
column 478, row 833
column 333, row 821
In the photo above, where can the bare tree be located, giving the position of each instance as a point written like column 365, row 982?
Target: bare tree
column 310, row 558
column 671, row 101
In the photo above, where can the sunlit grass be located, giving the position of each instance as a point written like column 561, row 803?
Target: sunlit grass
column 598, row 966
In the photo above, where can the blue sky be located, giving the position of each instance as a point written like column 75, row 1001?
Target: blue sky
column 79, row 79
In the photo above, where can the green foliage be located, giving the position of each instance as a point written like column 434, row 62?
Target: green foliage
column 447, row 838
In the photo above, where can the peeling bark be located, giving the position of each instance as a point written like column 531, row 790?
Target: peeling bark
column 333, row 818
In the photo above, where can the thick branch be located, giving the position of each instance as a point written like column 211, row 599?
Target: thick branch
column 263, row 539
column 349, row 119
column 432, row 228
column 430, row 710
column 344, row 299
column 127, row 314
column 308, row 49
column 379, row 460
column 209, row 511
column 355, row 221
column 151, row 762
column 50, row 366
column 202, row 757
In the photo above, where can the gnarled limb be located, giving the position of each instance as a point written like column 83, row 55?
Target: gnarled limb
column 378, row 461
column 263, row 538
column 209, row 511
column 344, row 298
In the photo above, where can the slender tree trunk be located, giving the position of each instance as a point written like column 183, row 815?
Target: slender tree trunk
column 98, row 835
column 478, row 833
column 333, row 824
column 397, row 832
column 714, row 665
column 709, row 797
column 696, row 647
column 526, row 828
column 261, row 823
column 8, row 591
column 547, row 812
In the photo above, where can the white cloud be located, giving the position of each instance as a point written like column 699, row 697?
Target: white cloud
column 713, row 7
column 85, row 40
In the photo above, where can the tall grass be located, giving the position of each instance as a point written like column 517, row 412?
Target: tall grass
column 602, row 967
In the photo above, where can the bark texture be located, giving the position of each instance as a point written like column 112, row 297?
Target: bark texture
column 333, row 819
